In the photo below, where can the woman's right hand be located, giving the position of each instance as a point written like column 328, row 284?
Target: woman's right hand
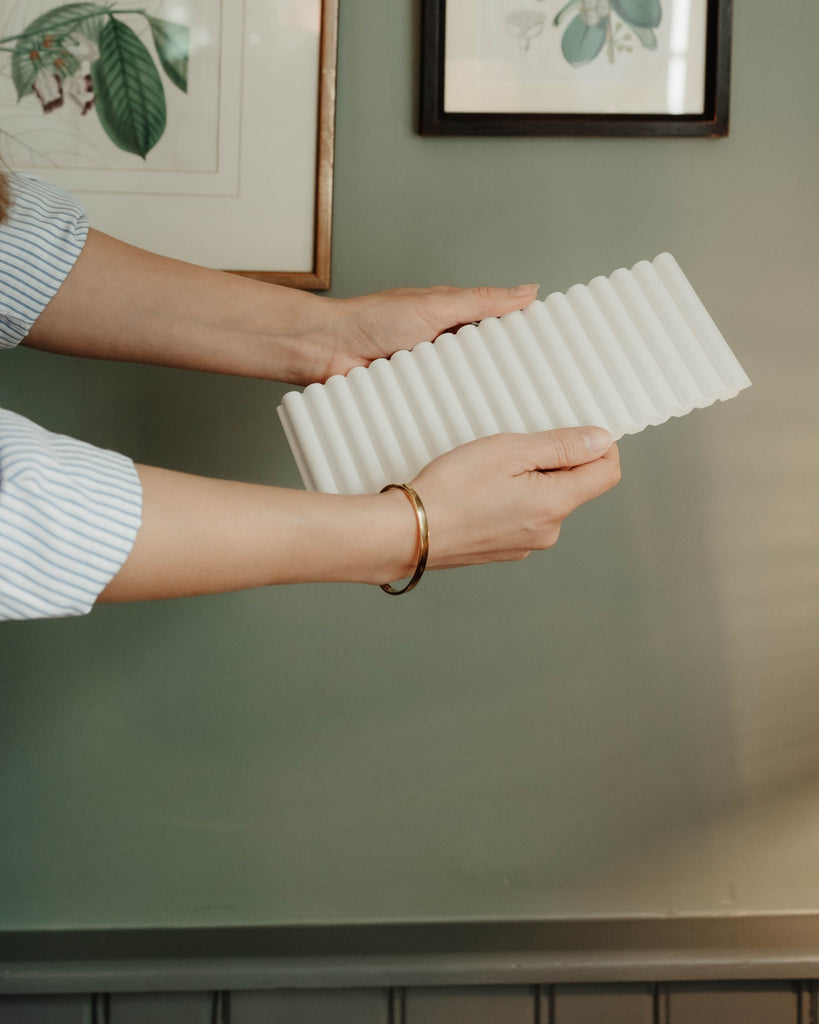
column 498, row 498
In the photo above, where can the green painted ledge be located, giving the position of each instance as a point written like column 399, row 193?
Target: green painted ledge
column 578, row 951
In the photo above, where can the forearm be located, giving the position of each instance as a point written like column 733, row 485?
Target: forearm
column 202, row 536
column 121, row 302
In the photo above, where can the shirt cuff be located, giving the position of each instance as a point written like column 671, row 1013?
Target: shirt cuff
column 41, row 237
column 69, row 516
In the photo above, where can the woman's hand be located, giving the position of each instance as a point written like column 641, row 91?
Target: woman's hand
column 501, row 497
column 358, row 330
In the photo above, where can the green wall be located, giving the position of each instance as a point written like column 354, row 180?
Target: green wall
column 625, row 724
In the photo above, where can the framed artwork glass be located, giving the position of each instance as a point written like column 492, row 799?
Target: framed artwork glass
column 199, row 129
column 582, row 67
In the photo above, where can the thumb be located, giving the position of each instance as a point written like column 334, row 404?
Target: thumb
column 567, row 447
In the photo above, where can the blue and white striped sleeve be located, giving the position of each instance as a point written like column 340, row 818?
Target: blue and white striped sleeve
column 69, row 512
column 40, row 239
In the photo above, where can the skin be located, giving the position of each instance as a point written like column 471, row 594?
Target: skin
column 495, row 499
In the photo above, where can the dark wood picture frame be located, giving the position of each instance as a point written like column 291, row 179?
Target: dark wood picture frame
column 711, row 123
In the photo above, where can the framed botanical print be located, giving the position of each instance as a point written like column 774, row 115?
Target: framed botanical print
column 582, row 67
column 200, row 129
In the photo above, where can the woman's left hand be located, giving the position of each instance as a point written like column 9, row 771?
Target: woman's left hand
column 362, row 329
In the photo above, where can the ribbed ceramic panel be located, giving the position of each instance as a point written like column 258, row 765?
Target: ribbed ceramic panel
column 622, row 352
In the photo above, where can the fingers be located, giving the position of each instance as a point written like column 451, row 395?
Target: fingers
column 499, row 497
column 453, row 306
column 559, row 492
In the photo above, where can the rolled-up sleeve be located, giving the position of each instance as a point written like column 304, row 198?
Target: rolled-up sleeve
column 40, row 239
column 69, row 512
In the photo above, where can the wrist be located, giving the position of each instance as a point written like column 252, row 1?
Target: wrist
column 364, row 538
column 390, row 534
column 294, row 327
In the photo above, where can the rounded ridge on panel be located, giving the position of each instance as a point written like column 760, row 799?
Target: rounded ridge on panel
column 445, row 396
column 355, row 435
column 520, row 407
column 617, row 385
column 556, row 358
column 488, row 338
column 426, row 417
column 596, row 399
column 325, row 418
column 295, row 447
column 454, row 358
column 368, row 401
column 400, row 415
column 316, row 459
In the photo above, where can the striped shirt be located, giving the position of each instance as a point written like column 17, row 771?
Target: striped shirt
column 69, row 512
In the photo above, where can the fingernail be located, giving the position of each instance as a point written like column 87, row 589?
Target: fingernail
column 525, row 289
column 597, row 440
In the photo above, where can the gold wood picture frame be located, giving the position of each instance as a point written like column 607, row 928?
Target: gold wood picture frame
column 198, row 129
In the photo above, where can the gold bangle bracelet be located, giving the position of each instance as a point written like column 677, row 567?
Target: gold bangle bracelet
column 423, row 539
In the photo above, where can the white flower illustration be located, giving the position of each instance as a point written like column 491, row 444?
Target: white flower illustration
column 81, row 47
column 80, row 88
column 525, row 25
column 594, row 11
column 49, row 90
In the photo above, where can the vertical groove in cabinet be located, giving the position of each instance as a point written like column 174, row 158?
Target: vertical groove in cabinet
column 543, row 1004
column 221, row 1008
column 102, row 1008
column 802, row 1002
column 808, row 1011
column 662, row 1005
column 397, row 1005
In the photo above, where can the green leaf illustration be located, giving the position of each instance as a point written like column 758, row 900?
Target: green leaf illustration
column 130, row 97
column 172, row 43
column 581, row 42
column 57, row 23
column 639, row 13
column 647, row 36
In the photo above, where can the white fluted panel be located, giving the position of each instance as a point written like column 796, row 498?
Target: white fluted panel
column 623, row 352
